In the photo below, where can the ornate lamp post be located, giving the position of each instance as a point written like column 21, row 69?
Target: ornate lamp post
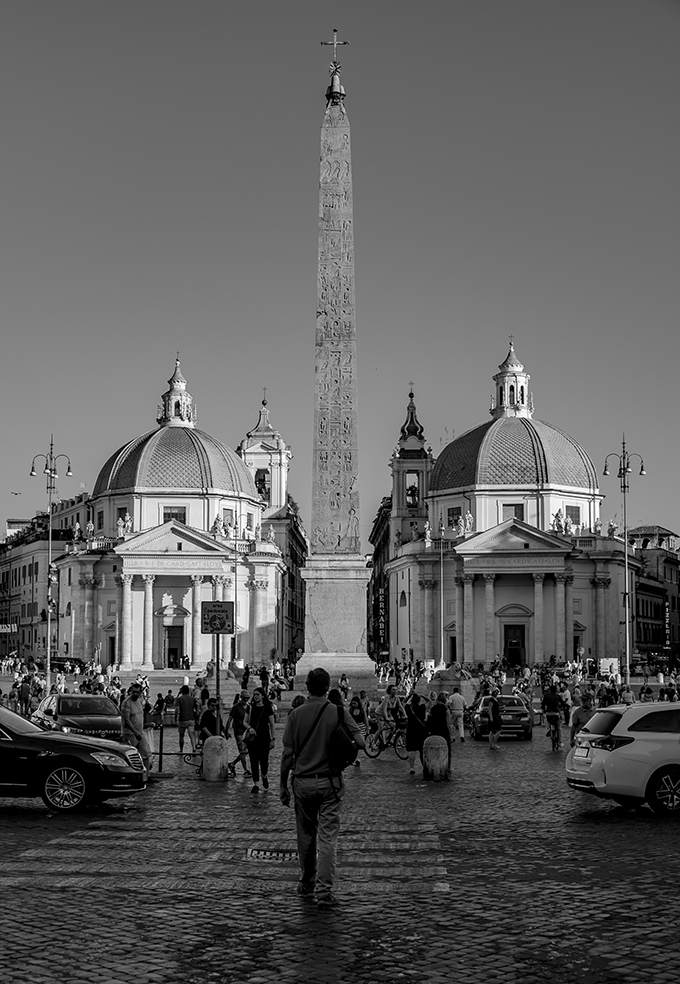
column 624, row 471
column 50, row 470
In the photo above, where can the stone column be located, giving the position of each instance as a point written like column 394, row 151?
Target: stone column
column 489, row 616
column 468, row 616
column 601, row 584
column 559, row 616
column 126, row 622
column 429, row 650
column 460, row 642
column 539, row 654
column 119, row 621
column 569, row 616
column 196, row 648
column 147, row 662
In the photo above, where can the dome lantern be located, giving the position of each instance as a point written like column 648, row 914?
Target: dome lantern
column 511, row 393
column 177, row 409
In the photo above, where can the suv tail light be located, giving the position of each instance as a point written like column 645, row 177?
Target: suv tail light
column 610, row 742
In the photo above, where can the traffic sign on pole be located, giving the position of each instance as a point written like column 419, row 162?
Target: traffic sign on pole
column 217, row 617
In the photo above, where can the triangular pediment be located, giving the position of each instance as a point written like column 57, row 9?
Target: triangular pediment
column 512, row 536
column 164, row 539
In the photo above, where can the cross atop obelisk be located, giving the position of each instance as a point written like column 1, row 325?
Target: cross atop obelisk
column 334, row 64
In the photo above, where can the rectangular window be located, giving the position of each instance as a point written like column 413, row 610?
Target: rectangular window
column 574, row 514
column 228, row 516
column 513, row 510
column 249, row 521
column 453, row 515
column 578, row 606
column 100, row 520
column 110, row 608
column 35, row 570
column 412, row 489
column 120, row 512
column 177, row 513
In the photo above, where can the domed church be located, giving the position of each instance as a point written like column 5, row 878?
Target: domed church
column 495, row 548
column 176, row 518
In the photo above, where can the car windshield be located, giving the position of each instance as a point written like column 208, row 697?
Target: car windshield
column 17, row 724
column 87, row 705
column 602, row 722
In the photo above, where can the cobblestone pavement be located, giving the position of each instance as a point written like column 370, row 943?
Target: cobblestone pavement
column 501, row 875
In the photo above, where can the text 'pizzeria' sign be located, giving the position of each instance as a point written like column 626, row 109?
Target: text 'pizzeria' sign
column 217, row 617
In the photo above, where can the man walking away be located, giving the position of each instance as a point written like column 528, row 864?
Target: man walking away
column 318, row 791
column 495, row 720
column 457, row 706
column 185, row 717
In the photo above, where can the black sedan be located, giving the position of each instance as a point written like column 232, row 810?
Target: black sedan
column 82, row 714
column 68, row 771
column 516, row 716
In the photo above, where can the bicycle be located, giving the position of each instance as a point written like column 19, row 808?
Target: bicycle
column 555, row 732
column 378, row 741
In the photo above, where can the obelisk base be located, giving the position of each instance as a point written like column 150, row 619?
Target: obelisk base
column 335, row 603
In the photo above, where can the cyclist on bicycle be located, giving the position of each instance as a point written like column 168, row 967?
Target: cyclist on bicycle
column 390, row 712
column 552, row 707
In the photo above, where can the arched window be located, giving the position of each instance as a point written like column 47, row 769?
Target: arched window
column 521, row 395
column 500, row 396
column 512, row 395
column 178, row 408
column 402, row 600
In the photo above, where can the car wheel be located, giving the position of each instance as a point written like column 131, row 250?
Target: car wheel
column 663, row 791
column 64, row 789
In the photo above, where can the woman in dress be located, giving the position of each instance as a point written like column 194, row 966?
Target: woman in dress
column 416, row 731
column 357, row 712
column 260, row 718
column 343, row 686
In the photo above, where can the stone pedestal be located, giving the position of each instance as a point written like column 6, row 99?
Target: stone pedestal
column 335, row 616
column 215, row 759
column 435, row 759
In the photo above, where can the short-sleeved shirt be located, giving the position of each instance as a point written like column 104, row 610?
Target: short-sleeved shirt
column 184, row 707
column 314, row 759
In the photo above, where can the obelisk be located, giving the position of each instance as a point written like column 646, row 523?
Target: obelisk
column 336, row 574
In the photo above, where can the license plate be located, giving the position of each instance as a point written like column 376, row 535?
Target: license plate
column 507, row 718
column 581, row 752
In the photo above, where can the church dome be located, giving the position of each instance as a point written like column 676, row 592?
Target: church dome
column 177, row 455
column 512, row 448
column 175, row 458
column 513, row 451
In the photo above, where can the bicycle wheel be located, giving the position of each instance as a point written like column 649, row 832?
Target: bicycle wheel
column 400, row 745
column 373, row 746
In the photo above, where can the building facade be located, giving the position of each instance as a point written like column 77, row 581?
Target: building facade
column 176, row 518
column 496, row 548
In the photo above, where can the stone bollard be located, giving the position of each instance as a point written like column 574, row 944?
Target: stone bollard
column 215, row 759
column 435, row 759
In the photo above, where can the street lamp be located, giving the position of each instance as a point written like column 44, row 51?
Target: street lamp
column 441, row 592
column 624, row 471
column 50, row 470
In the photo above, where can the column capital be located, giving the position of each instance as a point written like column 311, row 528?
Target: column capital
column 222, row 579
column 148, row 578
column 426, row 583
column 257, row 584
column 539, row 577
column 560, row 577
column 196, row 579
column 601, row 581
column 568, row 579
column 126, row 579
column 489, row 578
column 468, row 578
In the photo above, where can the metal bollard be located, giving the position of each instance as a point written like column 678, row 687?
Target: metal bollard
column 160, row 747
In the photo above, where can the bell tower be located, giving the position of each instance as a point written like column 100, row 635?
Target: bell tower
column 411, row 467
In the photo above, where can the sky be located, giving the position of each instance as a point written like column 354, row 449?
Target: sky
column 515, row 171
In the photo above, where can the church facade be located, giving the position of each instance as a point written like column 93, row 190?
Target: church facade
column 176, row 518
column 495, row 549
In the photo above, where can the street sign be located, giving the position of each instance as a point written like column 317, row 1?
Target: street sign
column 217, row 617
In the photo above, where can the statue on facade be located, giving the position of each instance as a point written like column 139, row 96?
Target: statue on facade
column 469, row 522
column 568, row 526
column 127, row 523
column 230, row 531
column 120, row 524
column 397, row 538
column 217, row 528
column 558, row 522
column 271, row 536
column 598, row 526
column 258, row 532
column 428, row 532
column 77, row 533
column 89, row 530
column 460, row 527
column 415, row 533
column 612, row 528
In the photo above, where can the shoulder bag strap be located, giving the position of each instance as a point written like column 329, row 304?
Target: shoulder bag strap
column 312, row 729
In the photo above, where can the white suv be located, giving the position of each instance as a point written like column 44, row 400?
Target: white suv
column 630, row 755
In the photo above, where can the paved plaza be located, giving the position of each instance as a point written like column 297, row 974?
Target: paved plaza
column 501, row 875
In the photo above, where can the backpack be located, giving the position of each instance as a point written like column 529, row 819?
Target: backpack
column 342, row 748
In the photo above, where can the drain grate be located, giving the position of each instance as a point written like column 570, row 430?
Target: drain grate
column 257, row 854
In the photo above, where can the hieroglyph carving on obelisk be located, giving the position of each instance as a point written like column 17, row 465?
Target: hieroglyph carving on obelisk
column 335, row 493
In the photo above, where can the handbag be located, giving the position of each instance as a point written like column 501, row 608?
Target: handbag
column 249, row 736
